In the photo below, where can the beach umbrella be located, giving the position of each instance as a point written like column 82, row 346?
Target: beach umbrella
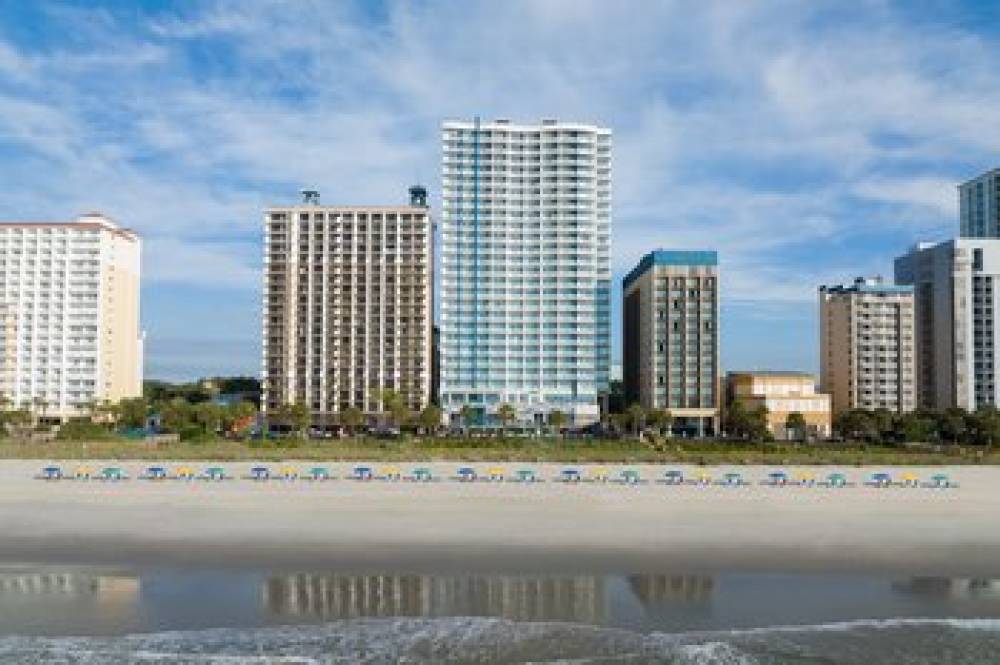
column 630, row 476
column 778, row 478
column 732, row 479
column 84, row 472
column 941, row 480
column 881, row 479
column 703, row 478
column 51, row 473
column 391, row 472
column 837, row 480
column 185, row 473
column 260, row 473
column 599, row 474
column 421, row 473
column 526, row 476
column 466, row 473
column 362, row 473
column 496, row 472
column 214, row 473
column 289, row 472
column 570, row 475
column 910, row 479
column 806, row 478
column 319, row 473
column 674, row 477
column 155, row 473
column 112, row 473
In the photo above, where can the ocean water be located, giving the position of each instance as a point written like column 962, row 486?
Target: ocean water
column 97, row 616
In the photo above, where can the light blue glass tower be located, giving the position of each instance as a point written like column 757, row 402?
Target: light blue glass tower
column 525, row 277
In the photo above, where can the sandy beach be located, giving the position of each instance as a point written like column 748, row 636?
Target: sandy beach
column 505, row 526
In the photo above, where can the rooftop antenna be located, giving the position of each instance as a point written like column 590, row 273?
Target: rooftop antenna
column 310, row 196
column 418, row 196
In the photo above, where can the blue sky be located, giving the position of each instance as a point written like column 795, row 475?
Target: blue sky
column 808, row 142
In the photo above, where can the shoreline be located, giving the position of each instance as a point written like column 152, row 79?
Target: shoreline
column 505, row 527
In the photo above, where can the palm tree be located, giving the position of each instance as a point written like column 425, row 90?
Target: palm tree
column 636, row 417
column 430, row 418
column 351, row 419
column 557, row 420
column 467, row 413
column 795, row 425
column 506, row 414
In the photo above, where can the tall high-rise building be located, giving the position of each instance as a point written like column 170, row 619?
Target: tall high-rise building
column 670, row 335
column 956, row 284
column 347, row 305
column 867, row 358
column 69, row 305
column 979, row 206
column 525, row 270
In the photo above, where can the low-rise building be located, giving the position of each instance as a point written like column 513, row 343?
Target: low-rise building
column 782, row 394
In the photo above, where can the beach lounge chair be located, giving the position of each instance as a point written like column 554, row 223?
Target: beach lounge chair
column 362, row 473
column 910, row 479
column 421, row 474
column 836, row 480
column 673, row 477
column 777, row 479
column 570, row 476
column 391, row 473
column 113, row 473
column 289, row 473
column 732, row 479
column 84, row 472
column 941, row 481
column 805, row 479
column 496, row 473
column 630, row 477
column 318, row 473
column 214, row 473
column 880, row 480
column 260, row 473
column 525, row 476
column 467, row 474
column 51, row 473
column 184, row 473
column 154, row 473
column 599, row 474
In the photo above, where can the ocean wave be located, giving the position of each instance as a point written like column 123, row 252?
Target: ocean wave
column 488, row 641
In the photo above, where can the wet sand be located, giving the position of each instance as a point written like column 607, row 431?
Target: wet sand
column 505, row 526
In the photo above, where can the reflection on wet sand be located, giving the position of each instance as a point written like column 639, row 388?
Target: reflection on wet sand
column 950, row 587
column 579, row 599
column 519, row 598
column 116, row 589
column 653, row 589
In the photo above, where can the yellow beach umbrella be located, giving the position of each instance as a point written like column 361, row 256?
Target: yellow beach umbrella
column 599, row 473
column 390, row 471
column 496, row 471
column 185, row 472
column 290, row 471
column 806, row 476
column 84, row 471
column 704, row 477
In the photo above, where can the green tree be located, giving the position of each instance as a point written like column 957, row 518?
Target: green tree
column 952, row 424
column 795, row 426
column 351, row 419
column 660, row 420
column 916, row 426
column 506, row 414
column 396, row 412
column 430, row 418
column 985, row 426
column 467, row 415
column 636, row 418
column 558, row 420
column 856, row 425
column 132, row 412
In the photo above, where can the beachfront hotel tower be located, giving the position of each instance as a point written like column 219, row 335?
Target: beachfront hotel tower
column 69, row 315
column 525, row 275
column 670, row 335
column 867, row 358
column 956, row 285
column 979, row 206
column 347, row 305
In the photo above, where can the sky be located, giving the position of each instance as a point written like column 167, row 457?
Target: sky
column 808, row 141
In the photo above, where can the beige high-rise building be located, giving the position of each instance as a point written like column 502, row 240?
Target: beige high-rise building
column 670, row 335
column 348, row 309
column 69, row 304
column 867, row 357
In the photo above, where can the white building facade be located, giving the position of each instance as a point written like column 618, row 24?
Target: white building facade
column 525, row 272
column 956, row 285
column 69, row 302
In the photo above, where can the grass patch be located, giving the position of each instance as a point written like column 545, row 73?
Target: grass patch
column 709, row 453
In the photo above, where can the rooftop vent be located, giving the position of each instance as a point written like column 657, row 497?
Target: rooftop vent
column 310, row 196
